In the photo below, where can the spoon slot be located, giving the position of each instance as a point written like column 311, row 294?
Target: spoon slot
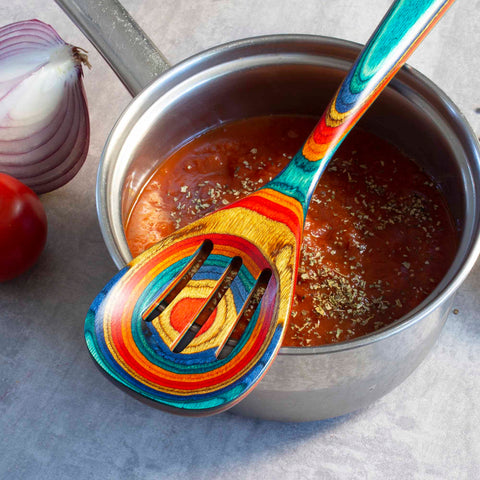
column 247, row 312
column 187, row 274
column 208, row 308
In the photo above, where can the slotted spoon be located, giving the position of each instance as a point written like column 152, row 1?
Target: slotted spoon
column 162, row 325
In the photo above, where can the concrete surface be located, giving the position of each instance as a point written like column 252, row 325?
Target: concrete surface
column 60, row 419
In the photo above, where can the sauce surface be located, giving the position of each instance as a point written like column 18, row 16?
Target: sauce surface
column 378, row 235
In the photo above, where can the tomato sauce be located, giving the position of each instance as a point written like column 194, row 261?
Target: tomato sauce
column 378, row 235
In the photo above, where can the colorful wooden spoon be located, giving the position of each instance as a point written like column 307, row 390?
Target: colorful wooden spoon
column 161, row 326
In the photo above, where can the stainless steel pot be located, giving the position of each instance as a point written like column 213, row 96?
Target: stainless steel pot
column 290, row 74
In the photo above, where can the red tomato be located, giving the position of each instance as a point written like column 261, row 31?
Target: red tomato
column 23, row 227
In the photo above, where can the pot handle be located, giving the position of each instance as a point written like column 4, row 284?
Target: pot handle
column 121, row 42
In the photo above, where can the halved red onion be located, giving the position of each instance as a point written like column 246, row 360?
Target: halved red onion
column 44, row 123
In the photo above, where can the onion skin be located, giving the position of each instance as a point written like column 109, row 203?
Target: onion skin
column 44, row 121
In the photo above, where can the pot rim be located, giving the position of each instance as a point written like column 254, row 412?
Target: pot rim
column 431, row 303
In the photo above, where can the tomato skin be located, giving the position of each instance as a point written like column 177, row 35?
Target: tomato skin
column 23, row 227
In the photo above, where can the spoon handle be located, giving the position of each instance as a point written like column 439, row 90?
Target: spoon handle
column 400, row 32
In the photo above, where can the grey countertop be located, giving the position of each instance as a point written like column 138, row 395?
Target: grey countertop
column 60, row 419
